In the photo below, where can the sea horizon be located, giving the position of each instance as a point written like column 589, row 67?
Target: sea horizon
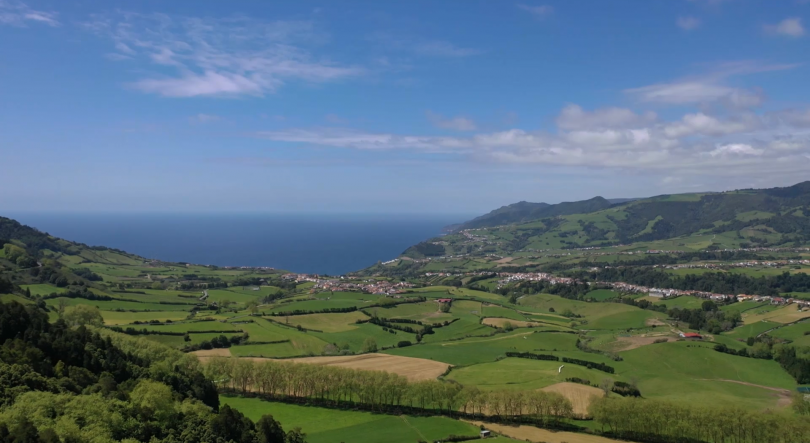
column 329, row 244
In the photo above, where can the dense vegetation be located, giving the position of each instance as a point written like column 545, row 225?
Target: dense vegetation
column 718, row 282
column 72, row 384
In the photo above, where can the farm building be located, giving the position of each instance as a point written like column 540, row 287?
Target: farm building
column 485, row 433
column 444, row 300
column 691, row 335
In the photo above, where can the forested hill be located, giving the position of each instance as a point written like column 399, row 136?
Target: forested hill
column 524, row 211
column 735, row 219
column 71, row 381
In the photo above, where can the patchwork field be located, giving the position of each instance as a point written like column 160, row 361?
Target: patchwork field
column 413, row 368
column 329, row 425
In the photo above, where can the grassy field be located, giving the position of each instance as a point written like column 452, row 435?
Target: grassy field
column 329, row 426
column 43, row 289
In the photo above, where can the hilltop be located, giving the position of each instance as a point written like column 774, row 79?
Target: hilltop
column 734, row 219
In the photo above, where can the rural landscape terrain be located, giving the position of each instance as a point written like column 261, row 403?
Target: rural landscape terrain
column 677, row 318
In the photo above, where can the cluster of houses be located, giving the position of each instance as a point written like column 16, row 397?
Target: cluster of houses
column 379, row 287
column 744, row 264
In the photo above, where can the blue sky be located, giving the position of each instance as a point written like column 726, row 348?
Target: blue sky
column 397, row 107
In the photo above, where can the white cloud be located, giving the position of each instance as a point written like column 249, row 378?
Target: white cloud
column 703, row 124
column 19, row 14
column 203, row 118
column 697, row 143
column 709, row 88
column 537, row 11
column 687, row 23
column 443, row 49
column 217, row 57
column 791, row 27
column 736, row 149
column 455, row 123
column 573, row 117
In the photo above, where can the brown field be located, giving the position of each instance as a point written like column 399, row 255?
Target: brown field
column 628, row 343
column 579, row 395
column 537, row 435
column 500, row 322
column 414, row 369
column 205, row 354
column 787, row 314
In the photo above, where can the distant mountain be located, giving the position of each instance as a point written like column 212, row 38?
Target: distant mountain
column 522, row 212
column 743, row 218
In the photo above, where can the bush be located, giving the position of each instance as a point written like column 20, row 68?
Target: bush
column 403, row 344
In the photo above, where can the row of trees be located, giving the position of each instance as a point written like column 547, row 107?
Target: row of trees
column 382, row 391
column 659, row 421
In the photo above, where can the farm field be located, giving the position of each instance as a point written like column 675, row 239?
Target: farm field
column 329, row 425
column 414, row 369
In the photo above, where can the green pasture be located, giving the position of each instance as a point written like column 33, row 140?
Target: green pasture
column 126, row 318
column 356, row 336
column 693, row 372
column 524, row 374
column 330, row 425
column 112, row 305
column 315, row 305
column 798, row 333
column 332, row 322
column 7, row 298
column 193, row 326
column 682, row 302
column 43, row 289
column 602, row 294
column 751, row 330
column 474, row 350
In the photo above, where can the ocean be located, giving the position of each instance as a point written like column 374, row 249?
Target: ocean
column 322, row 244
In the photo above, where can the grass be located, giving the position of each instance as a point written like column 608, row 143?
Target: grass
column 333, row 322
column 328, row 425
column 524, row 374
column 43, row 289
column 112, row 305
column 691, row 373
column 799, row 333
column 477, row 350
column 751, row 329
column 783, row 314
column 602, row 294
column 125, row 318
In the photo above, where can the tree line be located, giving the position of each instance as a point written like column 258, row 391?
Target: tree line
column 574, row 361
column 646, row 420
column 382, row 391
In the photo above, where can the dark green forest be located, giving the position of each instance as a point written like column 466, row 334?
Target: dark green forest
column 63, row 384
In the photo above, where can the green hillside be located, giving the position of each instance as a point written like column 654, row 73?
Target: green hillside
column 692, row 222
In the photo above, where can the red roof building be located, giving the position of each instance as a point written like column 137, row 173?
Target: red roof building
column 691, row 335
column 444, row 300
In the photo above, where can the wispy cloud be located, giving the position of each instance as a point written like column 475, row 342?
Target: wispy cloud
column 688, row 23
column 614, row 138
column 454, row 124
column 225, row 57
column 573, row 117
column 538, row 11
column 19, row 14
column 790, row 27
column 709, row 88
